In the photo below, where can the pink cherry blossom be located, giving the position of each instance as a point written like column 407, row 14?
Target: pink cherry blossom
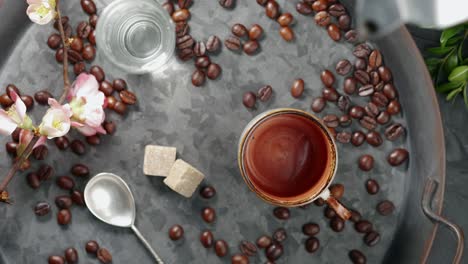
column 14, row 117
column 56, row 122
column 25, row 137
column 41, row 11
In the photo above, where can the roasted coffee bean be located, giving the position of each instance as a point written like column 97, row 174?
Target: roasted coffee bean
column 394, row 107
column 372, row 238
column 42, row 208
column 343, row 103
column 199, row 49
column 68, row 31
column 264, row 241
column 78, row 147
column 379, row 99
column 355, row 216
column 40, row 152
column 184, row 3
column 61, row 142
column 368, row 123
column 303, row 8
column 322, row 18
column 272, row 9
column 327, row 78
column 63, row 201
column 207, row 192
column 79, row 68
column 98, row 73
column 71, row 255
column 106, row 88
column 337, row 190
column 329, row 212
column 213, row 44
column 345, row 121
column 255, row 32
column 285, row 19
column 169, row 7
column 119, row 85
column 92, row 247
column 208, row 214
column 318, row 104
column 251, row 47
column 185, row 42
column 280, row 234
column 337, row 224
column 360, row 64
column 221, row 248
column 383, row 117
column 374, row 78
column 343, row 67
column 297, row 88
column 385, row 73
column 366, row 162
column 371, row 109
column 262, row 2
column 379, row 87
column 286, row 33
column 334, row 32
column 374, row 138
column 394, row 131
column 83, row 29
column 248, row 248
column 88, row 6
column 182, row 29
column 274, row 251
column 372, row 186
column 312, row 244
column 282, row 213
column 330, row 94
column 385, row 208
column 310, row 229
column 78, row 197
column 389, row 91
column 337, row 10
column 64, row 217
column 357, row 112
column 33, row 180
column 350, row 85
column 54, row 41
column 198, row 78
column 180, row 15
column 362, row 77
column 5, row 101
column 64, row 21
column 111, row 101
column 233, row 43
column 344, row 22
column 93, row 19
column 16, row 135
column 176, row 232
column 320, row 5
column 120, row 108
column 93, row 140
column 42, row 97
column 45, row 172
column 366, row 90
column 80, row 170
column 92, row 37
column 351, row 36
column 28, row 101
column 264, row 93
column 56, row 260
column 239, row 259
column 363, row 226
column 357, row 138
column 227, row 3
column 375, row 59
column 202, row 62
column 239, row 30
column 331, row 121
column 249, row 99
column 65, row 182
column 398, row 156
column 343, row 137
column 206, row 239
column 104, row 256
column 362, row 51
column 357, row 257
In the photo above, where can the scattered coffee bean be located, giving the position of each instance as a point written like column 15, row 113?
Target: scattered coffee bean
column 280, row 235
column 206, row 239
column 64, row 21
column 255, row 32
column 79, row 68
column 379, row 99
column 176, row 232
column 63, row 201
column 394, row 107
column 385, row 73
column 207, row 192
column 394, row 131
column 327, row 78
column 93, row 140
column 106, row 88
column 385, row 208
column 368, row 123
column 227, row 3
column 213, row 44
column 42, row 208
column 363, row 226
column 331, row 121
column 355, row 216
column 366, row 90
column 248, row 248
column 40, row 152
column 56, row 260
column 181, row 15
column 182, row 29
column 329, row 212
column 272, row 9
column 184, row 3
column 65, row 182
column 375, row 59
column 92, row 37
column 286, row 33
column 198, row 78
column 330, row 94
column 374, row 78
column 337, row 190
column 78, row 197
column 249, row 99
column 202, row 62
column 297, row 88
column 82, row 31
column 383, row 118
column 397, row 157
column 372, row 238
column 42, row 97
column 54, row 41
column 357, row 257
column 350, row 85
column 303, row 8
column 345, row 121
column 322, row 18
column 104, row 256
column 343, row 103
column 233, row 43
column 88, row 6
column 282, row 213
column 334, row 32
column 45, row 172
column 16, row 135
column 360, row 64
column 310, row 229
column 362, row 77
column 239, row 259
column 208, row 214
column 337, row 224
column 33, row 180
column 80, row 170
column 374, row 138
column 78, row 147
column 120, row 108
column 262, row 2
column 264, row 93
column 251, row 47
column 343, row 67
column 239, row 30
column 71, row 255
column 169, row 7
column 61, row 142
column 111, row 101
column 343, row 137
column 362, row 51
column 5, row 101
column 274, row 251
column 88, row 53
column 312, row 244
column 64, row 217
column 372, row 186
column 344, row 22
column 93, row 19
column 98, row 73
column 185, row 42
column 264, row 241
column 337, row 10
column 357, row 139
column 221, row 248
column 389, row 91
column 199, row 49
column 318, row 104
column 285, row 19
column 28, row 101
column 366, row 162
column 320, row 5
column 92, row 247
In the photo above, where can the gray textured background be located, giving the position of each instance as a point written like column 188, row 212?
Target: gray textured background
column 204, row 124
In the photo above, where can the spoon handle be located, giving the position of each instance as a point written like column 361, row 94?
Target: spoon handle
column 147, row 245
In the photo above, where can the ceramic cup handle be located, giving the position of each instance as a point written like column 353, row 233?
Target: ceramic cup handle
column 339, row 208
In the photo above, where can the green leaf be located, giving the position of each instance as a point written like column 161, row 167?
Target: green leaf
column 432, row 61
column 454, row 41
column 452, row 94
column 446, row 87
column 465, row 96
column 459, row 74
column 465, row 62
column 451, row 63
column 440, row 50
column 449, row 33
column 460, row 52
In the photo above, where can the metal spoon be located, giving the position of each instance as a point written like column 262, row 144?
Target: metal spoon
column 109, row 198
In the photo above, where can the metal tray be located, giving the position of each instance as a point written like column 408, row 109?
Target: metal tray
column 205, row 124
